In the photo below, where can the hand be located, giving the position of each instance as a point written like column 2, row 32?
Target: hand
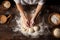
column 32, row 20
column 25, row 21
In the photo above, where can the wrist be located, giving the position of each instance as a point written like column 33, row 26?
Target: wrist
column 22, row 14
column 34, row 16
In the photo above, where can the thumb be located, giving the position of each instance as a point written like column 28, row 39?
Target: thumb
column 31, row 23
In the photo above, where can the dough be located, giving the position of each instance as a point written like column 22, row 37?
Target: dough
column 31, row 30
column 6, row 4
column 36, row 28
column 23, row 29
column 56, row 32
column 55, row 19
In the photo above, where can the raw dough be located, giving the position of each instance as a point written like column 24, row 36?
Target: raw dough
column 31, row 30
column 56, row 32
column 36, row 28
column 23, row 29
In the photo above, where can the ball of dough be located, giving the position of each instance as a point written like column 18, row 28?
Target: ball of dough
column 36, row 28
column 31, row 30
column 56, row 32
column 55, row 19
column 23, row 29
column 6, row 4
column 3, row 19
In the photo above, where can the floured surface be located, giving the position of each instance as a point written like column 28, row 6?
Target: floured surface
column 34, row 31
column 6, row 32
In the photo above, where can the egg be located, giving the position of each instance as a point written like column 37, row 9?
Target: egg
column 56, row 32
column 6, row 4
column 36, row 28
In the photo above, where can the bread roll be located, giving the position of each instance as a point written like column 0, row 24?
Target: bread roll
column 56, row 32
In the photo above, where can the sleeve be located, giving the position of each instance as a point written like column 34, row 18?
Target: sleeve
column 17, row 1
column 41, row 2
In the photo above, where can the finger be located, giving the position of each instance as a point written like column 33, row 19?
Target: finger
column 31, row 24
column 27, row 25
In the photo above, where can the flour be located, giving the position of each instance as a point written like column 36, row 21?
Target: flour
column 55, row 19
column 34, row 31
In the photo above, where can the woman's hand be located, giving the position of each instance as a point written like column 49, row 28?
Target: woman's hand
column 36, row 13
column 32, row 20
column 25, row 20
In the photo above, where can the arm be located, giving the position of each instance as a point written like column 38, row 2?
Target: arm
column 35, row 14
column 20, row 8
column 22, row 13
column 38, row 9
column 39, row 6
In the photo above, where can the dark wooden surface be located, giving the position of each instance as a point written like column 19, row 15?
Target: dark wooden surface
column 6, row 32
